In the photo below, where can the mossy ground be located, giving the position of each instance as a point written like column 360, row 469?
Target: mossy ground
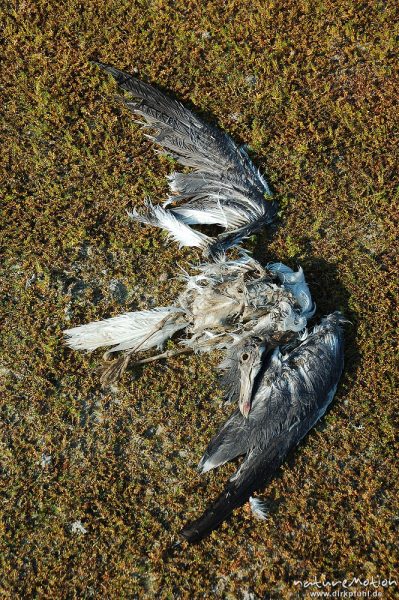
column 311, row 86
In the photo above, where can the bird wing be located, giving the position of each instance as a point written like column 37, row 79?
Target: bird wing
column 231, row 441
column 289, row 401
column 225, row 188
column 239, row 435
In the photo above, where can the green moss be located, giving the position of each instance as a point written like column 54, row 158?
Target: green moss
column 312, row 88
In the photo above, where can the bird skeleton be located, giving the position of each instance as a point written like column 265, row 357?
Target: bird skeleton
column 280, row 377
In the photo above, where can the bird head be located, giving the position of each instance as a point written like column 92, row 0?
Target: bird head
column 249, row 364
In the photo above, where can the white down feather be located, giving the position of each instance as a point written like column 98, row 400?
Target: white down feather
column 259, row 508
column 296, row 284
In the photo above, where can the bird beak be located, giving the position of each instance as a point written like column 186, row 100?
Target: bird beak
column 246, row 386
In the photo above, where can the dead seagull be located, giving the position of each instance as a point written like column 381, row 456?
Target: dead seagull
column 256, row 315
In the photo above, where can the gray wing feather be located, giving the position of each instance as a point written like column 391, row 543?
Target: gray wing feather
column 294, row 396
column 231, row 441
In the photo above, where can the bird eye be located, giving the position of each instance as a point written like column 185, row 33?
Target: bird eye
column 245, row 356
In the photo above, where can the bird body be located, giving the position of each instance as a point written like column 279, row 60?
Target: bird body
column 216, row 309
column 280, row 377
column 292, row 393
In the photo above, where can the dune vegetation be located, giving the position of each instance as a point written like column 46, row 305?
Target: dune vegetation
column 96, row 483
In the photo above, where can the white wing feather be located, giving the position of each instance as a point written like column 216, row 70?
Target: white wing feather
column 178, row 230
column 134, row 330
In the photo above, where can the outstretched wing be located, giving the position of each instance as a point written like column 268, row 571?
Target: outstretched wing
column 225, row 187
column 139, row 330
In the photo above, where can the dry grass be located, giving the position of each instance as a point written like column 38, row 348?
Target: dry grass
column 312, row 87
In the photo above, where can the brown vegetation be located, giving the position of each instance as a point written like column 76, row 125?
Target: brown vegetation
column 312, row 88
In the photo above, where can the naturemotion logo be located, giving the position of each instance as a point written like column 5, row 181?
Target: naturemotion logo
column 357, row 587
